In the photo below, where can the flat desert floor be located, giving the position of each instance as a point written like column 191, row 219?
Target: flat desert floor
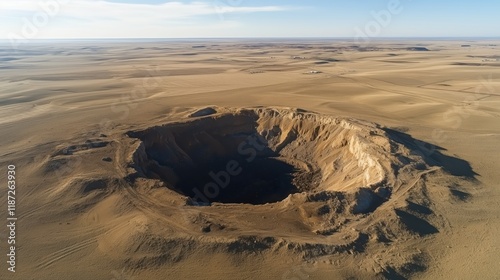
column 372, row 161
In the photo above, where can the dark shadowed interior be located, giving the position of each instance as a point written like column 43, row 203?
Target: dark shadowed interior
column 225, row 160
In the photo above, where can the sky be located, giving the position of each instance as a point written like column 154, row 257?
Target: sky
column 72, row 19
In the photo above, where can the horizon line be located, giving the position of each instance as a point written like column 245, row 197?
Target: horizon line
column 256, row 37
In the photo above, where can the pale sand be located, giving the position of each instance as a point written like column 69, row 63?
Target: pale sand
column 395, row 155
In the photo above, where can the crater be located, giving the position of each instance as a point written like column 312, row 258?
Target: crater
column 263, row 155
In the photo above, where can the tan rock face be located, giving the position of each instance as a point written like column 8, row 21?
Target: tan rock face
column 263, row 155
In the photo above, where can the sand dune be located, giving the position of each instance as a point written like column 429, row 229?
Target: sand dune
column 248, row 160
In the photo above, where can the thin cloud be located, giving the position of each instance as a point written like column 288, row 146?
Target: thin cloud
column 98, row 18
column 123, row 11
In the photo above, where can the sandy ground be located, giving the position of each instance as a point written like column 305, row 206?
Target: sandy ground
column 91, row 205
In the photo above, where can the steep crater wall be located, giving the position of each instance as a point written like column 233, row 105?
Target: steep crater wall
column 257, row 156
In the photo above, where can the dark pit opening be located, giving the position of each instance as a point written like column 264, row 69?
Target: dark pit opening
column 263, row 180
column 220, row 159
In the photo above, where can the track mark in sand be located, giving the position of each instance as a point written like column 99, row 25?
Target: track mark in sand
column 148, row 208
column 63, row 253
column 418, row 178
column 402, row 191
column 30, row 212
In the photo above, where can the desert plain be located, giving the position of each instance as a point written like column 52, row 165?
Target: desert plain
column 324, row 159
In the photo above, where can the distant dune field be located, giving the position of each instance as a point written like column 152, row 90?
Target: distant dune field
column 253, row 160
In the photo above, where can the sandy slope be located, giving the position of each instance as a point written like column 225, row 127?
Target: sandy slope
column 391, row 160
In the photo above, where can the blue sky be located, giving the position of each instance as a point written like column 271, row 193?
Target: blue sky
column 40, row 19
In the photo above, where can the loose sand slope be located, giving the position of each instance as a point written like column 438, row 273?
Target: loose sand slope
column 167, row 161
